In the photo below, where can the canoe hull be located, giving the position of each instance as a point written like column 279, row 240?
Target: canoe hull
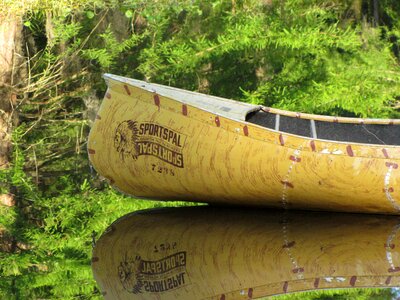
column 151, row 146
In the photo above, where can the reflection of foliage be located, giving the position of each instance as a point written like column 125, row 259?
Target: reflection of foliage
column 316, row 56
column 55, row 235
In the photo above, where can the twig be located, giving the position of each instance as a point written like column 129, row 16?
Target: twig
column 34, row 124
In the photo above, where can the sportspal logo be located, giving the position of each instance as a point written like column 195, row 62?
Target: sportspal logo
column 125, row 139
column 153, row 276
column 133, row 139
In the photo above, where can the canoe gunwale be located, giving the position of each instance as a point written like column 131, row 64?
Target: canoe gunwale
column 257, row 132
column 151, row 87
column 331, row 119
column 232, row 109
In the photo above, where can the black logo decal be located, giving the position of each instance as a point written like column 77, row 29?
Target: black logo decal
column 134, row 139
column 125, row 139
column 168, row 273
column 130, row 275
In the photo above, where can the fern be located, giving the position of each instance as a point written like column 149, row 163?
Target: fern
column 110, row 48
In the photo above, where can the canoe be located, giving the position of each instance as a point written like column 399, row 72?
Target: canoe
column 215, row 253
column 160, row 142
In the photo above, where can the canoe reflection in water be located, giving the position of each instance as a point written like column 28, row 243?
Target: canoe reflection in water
column 220, row 253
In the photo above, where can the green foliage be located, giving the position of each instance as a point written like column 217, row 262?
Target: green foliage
column 306, row 59
column 59, row 231
column 327, row 57
column 110, row 49
column 55, row 228
column 15, row 175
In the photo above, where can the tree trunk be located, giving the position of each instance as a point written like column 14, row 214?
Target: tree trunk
column 375, row 5
column 10, row 63
column 10, row 78
column 12, row 75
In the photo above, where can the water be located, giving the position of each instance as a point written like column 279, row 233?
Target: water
column 225, row 253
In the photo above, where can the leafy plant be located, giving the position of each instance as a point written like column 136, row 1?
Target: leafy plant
column 328, row 57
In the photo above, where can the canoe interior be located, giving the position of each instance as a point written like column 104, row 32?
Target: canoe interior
column 378, row 134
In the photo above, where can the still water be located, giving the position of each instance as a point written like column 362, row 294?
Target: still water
column 226, row 253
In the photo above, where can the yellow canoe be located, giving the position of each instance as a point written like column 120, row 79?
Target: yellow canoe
column 155, row 141
column 211, row 253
